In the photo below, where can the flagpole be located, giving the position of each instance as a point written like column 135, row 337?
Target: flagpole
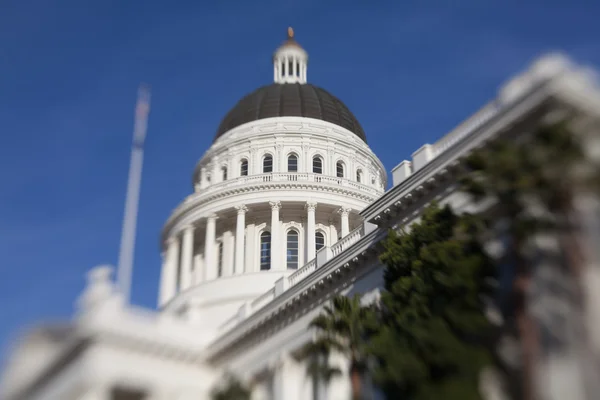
column 127, row 249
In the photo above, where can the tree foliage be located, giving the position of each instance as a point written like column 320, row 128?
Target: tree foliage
column 231, row 389
column 343, row 327
column 428, row 343
column 533, row 181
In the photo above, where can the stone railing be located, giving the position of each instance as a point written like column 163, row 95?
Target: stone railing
column 468, row 126
column 285, row 283
column 347, row 241
column 263, row 299
column 302, row 272
column 285, row 177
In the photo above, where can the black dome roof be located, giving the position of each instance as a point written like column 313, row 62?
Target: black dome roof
column 291, row 100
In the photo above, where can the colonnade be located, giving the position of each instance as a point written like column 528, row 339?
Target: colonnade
column 182, row 268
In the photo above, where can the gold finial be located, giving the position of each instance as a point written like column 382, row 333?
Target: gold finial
column 290, row 33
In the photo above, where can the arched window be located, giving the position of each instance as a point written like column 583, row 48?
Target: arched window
column 319, row 240
column 265, row 251
column 268, row 164
column 292, row 249
column 220, row 261
column 372, row 180
column 244, row 167
column 208, row 178
column 358, row 176
column 292, row 163
column 317, row 165
column 339, row 169
column 224, row 171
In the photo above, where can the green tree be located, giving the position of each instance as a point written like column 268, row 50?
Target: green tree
column 343, row 327
column 316, row 355
column 533, row 181
column 231, row 389
column 429, row 342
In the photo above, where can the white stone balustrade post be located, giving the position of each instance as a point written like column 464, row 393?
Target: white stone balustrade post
column 310, row 230
column 210, row 265
column 168, row 280
column 275, row 239
column 239, row 239
column 187, row 257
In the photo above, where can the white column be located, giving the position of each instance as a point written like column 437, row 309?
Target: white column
column 333, row 235
column 345, row 224
column 228, row 253
column 239, row 239
column 203, row 181
column 210, row 265
column 311, row 251
column 275, row 239
column 251, row 245
column 295, row 68
column 187, row 257
column 216, row 175
column 168, row 280
column 198, row 269
column 275, row 71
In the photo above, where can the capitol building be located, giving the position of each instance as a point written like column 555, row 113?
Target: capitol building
column 287, row 208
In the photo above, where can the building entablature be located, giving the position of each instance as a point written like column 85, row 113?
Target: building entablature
column 260, row 189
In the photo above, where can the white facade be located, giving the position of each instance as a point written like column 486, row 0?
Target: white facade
column 224, row 309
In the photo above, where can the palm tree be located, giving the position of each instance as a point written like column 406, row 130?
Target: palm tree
column 563, row 172
column 317, row 353
column 538, row 171
column 502, row 172
column 232, row 389
column 342, row 327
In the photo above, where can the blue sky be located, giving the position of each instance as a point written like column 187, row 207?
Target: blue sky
column 69, row 71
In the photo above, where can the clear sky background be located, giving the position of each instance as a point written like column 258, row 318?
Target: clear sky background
column 69, row 71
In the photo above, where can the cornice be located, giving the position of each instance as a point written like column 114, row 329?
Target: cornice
column 450, row 159
column 224, row 190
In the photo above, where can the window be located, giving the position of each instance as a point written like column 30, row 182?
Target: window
column 317, row 165
column 224, row 171
column 268, row 164
column 372, row 180
column 297, row 69
column 292, row 249
column 220, row 262
column 359, row 176
column 265, row 251
column 291, row 68
column 244, row 167
column 339, row 169
column 319, row 240
column 292, row 163
column 208, row 178
column 282, row 68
